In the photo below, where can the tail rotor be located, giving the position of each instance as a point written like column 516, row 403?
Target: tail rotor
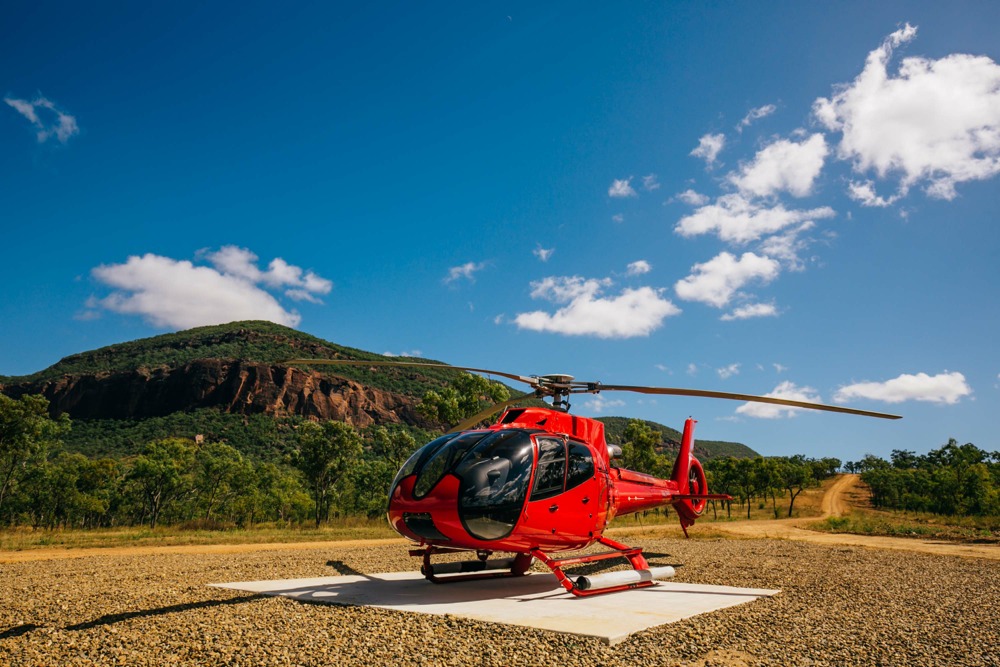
column 690, row 478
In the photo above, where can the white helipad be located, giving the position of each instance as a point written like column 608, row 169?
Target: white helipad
column 534, row 601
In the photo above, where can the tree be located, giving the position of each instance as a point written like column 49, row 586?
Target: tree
column 767, row 477
column 796, row 475
column 393, row 446
column 161, row 475
column 467, row 395
column 327, row 452
column 904, row 459
column 639, row 448
column 721, row 479
column 217, row 471
column 26, row 432
column 371, row 480
column 745, row 480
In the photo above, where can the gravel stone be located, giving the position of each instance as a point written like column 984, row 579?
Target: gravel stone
column 838, row 606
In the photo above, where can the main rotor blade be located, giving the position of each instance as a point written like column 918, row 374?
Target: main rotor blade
column 412, row 364
column 747, row 397
column 483, row 414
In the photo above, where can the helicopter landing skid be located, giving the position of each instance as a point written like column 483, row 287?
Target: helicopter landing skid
column 639, row 577
column 470, row 570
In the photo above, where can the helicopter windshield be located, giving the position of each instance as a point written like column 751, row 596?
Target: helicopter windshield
column 441, row 460
column 494, row 483
column 418, row 458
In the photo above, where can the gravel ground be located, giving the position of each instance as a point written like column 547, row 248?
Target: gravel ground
column 838, row 606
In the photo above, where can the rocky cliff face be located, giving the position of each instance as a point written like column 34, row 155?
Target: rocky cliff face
column 234, row 386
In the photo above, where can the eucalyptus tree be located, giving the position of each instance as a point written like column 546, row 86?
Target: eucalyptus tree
column 465, row 396
column 162, row 475
column 326, row 454
column 26, row 432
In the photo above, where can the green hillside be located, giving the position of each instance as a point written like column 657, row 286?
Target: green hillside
column 262, row 436
column 255, row 341
column 614, row 429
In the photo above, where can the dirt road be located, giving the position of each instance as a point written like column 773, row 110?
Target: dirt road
column 835, row 503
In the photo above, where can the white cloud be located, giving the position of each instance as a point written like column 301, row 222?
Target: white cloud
column 941, row 388
column 622, row 188
column 618, row 217
column 729, row 371
column 650, row 183
column 750, row 311
column 755, row 114
column 242, row 263
column 716, row 281
column 177, row 294
column 692, row 369
column 543, row 254
column 778, row 368
column 864, row 193
column 709, row 147
column 788, row 246
column 936, row 122
column 736, row 219
column 597, row 404
column 411, row 353
column 692, row 198
column 466, row 271
column 639, row 267
column 49, row 120
column 633, row 312
column 786, row 389
column 783, row 166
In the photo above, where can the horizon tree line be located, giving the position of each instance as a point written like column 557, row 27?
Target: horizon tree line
column 335, row 470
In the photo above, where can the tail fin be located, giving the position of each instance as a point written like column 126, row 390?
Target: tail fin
column 682, row 465
column 686, row 510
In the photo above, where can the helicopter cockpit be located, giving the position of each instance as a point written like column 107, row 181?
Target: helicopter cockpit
column 493, row 468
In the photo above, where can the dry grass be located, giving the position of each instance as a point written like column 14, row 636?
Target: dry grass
column 863, row 519
column 352, row 528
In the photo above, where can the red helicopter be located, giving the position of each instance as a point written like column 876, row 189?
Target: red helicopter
column 541, row 481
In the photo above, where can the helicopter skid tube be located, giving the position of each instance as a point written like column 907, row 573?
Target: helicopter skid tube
column 640, row 576
column 470, row 570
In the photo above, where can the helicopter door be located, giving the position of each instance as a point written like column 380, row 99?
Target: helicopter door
column 566, row 499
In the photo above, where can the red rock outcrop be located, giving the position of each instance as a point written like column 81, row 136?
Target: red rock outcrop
column 234, row 386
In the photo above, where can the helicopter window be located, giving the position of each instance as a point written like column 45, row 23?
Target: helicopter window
column 418, row 458
column 551, row 476
column 442, row 461
column 495, row 476
column 581, row 465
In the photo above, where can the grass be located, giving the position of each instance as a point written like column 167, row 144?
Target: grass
column 349, row 528
column 911, row 524
column 352, row 528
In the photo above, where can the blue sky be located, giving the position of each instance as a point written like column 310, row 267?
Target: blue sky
column 789, row 199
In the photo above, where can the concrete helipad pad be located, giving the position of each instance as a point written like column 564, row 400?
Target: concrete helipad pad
column 534, row 601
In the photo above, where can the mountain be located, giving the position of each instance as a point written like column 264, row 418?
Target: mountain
column 228, row 382
column 233, row 368
column 614, row 430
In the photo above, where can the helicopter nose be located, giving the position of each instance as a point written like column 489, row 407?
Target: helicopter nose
column 422, row 525
column 432, row 517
